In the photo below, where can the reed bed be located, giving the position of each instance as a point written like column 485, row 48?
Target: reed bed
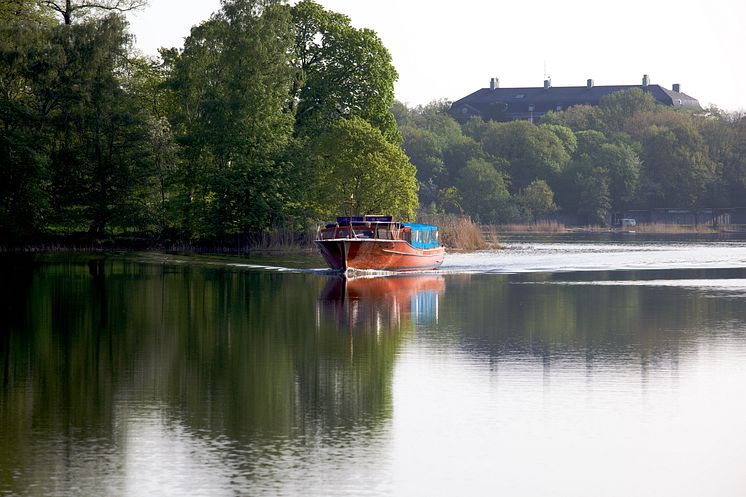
column 545, row 226
column 284, row 238
column 459, row 232
column 673, row 228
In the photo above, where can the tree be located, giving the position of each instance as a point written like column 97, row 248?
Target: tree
column 593, row 196
column 424, row 151
column 24, row 162
column 619, row 107
column 577, row 117
column 70, row 10
column 232, row 84
column 734, row 163
column 584, row 184
column 676, row 167
column 458, row 153
column 353, row 159
column 474, row 128
column 566, row 136
column 341, row 72
column 483, row 192
column 24, row 200
column 622, row 165
column 537, row 199
column 100, row 165
column 16, row 12
column 73, row 133
column 533, row 152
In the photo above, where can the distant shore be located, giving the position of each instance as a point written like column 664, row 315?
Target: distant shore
column 459, row 236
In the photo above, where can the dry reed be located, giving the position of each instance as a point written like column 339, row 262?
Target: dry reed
column 673, row 228
column 544, row 226
column 459, row 232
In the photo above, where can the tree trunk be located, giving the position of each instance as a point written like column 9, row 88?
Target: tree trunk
column 67, row 14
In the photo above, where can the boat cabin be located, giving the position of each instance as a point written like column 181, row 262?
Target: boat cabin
column 377, row 227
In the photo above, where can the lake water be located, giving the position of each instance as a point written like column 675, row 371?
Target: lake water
column 553, row 367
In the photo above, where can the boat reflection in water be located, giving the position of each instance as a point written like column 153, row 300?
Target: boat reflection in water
column 378, row 304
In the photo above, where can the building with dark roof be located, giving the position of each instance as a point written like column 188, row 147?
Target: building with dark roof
column 528, row 104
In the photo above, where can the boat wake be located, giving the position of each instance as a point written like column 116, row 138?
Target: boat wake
column 533, row 258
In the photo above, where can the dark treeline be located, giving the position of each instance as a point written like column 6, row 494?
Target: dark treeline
column 585, row 162
column 269, row 115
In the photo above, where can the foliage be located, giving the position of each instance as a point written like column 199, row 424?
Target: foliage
column 212, row 140
column 353, row 162
column 677, row 171
column 341, row 72
column 274, row 114
column 629, row 152
column 617, row 108
column 232, row 86
column 532, row 152
column 72, row 136
column 484, row 193
column 71, row 10
column 537, row 199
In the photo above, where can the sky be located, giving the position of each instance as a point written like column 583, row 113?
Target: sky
column 449, row 49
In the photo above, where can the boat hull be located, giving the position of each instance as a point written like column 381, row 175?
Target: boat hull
column 343, row 254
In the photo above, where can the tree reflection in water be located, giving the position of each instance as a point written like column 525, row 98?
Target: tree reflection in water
column 118, row 373
column 94, row 347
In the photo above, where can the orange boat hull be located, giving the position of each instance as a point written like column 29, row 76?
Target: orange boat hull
column 382, row 255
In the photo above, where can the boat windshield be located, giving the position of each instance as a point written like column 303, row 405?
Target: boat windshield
column 423, row 235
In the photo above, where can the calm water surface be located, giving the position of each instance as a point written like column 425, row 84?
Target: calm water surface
column 550, row 368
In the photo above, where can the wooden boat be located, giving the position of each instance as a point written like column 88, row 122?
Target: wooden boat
column 379, row 243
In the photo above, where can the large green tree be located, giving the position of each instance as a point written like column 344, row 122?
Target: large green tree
column 734, row 164
column 533, row 152
column 70, row 10
column 424, row 150
column 99, row 156
column 352, row 161
column 676, row 169
column 618, row 108
column 73, row 136
column 342, row 71
column 484, row 194
column 233, row 81
column 537, row 199
column 24, row 195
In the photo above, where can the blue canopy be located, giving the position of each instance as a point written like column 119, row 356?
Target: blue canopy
column 424, row 236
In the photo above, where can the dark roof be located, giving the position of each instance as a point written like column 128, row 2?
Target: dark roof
column 515, row 102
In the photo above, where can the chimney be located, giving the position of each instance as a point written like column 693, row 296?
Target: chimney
column 494, row 83
column 677, row 88
column 645, row 80
column 547, row 83
column 589, row 84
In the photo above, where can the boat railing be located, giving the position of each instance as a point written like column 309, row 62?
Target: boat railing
column 418, row 235
column 361, row 229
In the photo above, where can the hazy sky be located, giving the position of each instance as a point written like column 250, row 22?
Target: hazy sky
column 448, row 49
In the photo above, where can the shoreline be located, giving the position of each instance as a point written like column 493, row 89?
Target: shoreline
column 492, row 235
